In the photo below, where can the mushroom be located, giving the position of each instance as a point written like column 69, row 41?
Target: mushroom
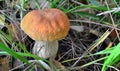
column 46, row 27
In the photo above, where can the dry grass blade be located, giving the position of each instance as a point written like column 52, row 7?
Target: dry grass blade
column 79, row 67
column 98, row 41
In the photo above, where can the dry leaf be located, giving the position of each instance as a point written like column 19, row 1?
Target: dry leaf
column 4, row 64
column 77, row 28
column 16, row 34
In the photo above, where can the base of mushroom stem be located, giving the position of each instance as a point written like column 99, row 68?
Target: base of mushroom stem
column 45, row 49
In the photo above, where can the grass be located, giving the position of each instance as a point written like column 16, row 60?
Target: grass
column 95, row 48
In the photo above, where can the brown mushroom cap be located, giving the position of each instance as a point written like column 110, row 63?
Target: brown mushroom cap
column 47, row 24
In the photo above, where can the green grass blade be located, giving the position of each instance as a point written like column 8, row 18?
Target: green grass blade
column 112, row 58
column 87, row 15
column 100, row 8
column 22, row 46
column 29, row 55
column 11, row 52
column 3, row 53
column 94, row 7
column 37, row 4
column 53, row 4
column 106, row 51
column 85, row 65
column 94, row 2
column 100, row 59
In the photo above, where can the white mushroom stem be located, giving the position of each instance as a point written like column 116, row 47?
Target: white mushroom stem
column 45, row 49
